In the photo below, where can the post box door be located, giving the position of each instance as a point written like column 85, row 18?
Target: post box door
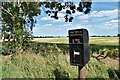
column 76, row 54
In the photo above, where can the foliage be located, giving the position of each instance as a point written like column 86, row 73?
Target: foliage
column 16, row 18
column 106, row 50
column 112, row 74
column 61, row 74
column 48, row 48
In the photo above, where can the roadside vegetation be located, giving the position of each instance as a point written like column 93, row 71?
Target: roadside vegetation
column 49, row 58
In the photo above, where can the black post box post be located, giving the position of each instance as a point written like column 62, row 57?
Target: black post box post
column 79, row 47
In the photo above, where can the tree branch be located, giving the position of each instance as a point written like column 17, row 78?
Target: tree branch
column 7, row 11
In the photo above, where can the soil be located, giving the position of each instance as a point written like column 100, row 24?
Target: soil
column 113, row 62
column 5, row 58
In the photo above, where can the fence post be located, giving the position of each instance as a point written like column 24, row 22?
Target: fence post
column 81, row 73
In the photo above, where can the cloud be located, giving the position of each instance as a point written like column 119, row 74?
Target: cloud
column 47, row 19
column 37, row 25
column 66, row 25
column 83, row 17
column 77, row 13
column 60, row 14
column 47, row 25
column 109, row 24
column 99, row 14
column 114, row 21
column 59, row 20
column 104, row 13
column 101, row 19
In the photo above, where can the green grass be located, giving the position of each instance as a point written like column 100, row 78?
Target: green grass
column 34, row 66
column 49, row 58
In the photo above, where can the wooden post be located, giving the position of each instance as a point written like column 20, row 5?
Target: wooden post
column 81, row 73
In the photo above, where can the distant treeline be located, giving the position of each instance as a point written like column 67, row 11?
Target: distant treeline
column 118, row 35
column 49, row 36
column 105, row 36
column 67, row 36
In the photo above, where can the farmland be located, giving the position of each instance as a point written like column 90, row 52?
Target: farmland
column 49, row 58
column 92, row 40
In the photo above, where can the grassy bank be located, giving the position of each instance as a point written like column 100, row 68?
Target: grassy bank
column 50, row 66
column 49, row 58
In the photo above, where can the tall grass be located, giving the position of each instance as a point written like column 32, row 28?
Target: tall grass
column 50, row 66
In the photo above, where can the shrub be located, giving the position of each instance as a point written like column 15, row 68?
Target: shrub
column 61, row 74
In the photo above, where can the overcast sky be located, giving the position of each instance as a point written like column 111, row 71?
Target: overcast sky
column 103, row 20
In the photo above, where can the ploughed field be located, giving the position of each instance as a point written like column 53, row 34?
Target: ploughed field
column 49, row 58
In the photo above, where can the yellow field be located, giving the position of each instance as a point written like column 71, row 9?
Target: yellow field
column 92, row 40
column 104, row 40
column 51, row 40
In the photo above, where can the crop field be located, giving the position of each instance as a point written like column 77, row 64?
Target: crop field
column 49, row 58
column 92, row 40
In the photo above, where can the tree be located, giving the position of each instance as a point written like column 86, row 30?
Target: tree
column 18, row 18
column 15, row 19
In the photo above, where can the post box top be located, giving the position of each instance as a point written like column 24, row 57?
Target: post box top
column 77, row 32
column 82, row 29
